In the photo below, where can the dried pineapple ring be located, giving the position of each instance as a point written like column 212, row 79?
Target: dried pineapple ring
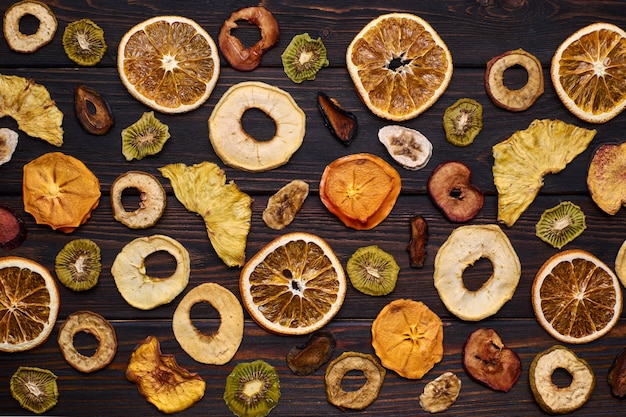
column 92, row 323
column 237, row 148
column 214, row 349
column 151, row 194
column 28, row 43
column 502, row 96
column 464, row 246
column 141, row 290
column 362, row 397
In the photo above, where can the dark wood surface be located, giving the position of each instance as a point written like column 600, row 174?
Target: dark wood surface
column 475, row 31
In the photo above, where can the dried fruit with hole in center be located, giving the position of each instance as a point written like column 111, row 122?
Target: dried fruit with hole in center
column 450, row 187
column 8, row 144
column 440, row 393
column 318, row 349
column 365, row 395
column 489, row 361
column 463, row 121
column 13, row 230
column 169, row 387
column 32, row 108
column 252, row 389
column 152, row 199
column 59, row 191
column 604, row 177
column 92, row 111
column 341, row 123
column 555, row 399
column 561, row 224
column 522, row 160
column 34, row 388
column 283, row 206
column 407, row 336
column 304, row 57
column 29, row 42
column 225, row 209
column 408, row 147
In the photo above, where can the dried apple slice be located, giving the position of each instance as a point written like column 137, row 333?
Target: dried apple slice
column 605, row 176
column 226, row 210
column 522, row 160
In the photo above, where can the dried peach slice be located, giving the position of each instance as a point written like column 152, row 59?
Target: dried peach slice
column 604, row 177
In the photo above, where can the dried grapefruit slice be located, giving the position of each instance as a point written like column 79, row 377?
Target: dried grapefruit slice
column 169, row 63
column 29, row 304
column 399, row 65
column 294, row 285
column 588, row 71
column 576, row 297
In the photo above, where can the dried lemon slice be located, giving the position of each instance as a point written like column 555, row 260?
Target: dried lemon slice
column 32, row 108
column 226, row 210
column 522, row 160
column 238, row 149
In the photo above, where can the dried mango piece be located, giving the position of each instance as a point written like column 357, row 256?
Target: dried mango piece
column 522, row 160
column 226, row 210
column 161, row 380
column 32, row 108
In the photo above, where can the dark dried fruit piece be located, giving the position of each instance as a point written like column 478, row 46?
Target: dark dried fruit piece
column 283, row 206
column 34, row 388
column 98, row 121
column 366, row 394
column 417, row 245
column 304, row 57
column 487, row 360
column 83, row 42
column 341, row 123
column 617, row 375
column 560, row 225
column 450, row 187
column 12, row 228
column 462, row 121
column 319, row 348
column 252, row 389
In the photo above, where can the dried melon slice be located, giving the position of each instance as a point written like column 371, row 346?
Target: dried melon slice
column 522, row 160
column 32, row 108
column 226, row 210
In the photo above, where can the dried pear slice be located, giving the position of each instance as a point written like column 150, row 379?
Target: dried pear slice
column 522, row 160
column 361, row 398
column 32, row 108
column 29, row 42
column 238, row 149
column 226, row 210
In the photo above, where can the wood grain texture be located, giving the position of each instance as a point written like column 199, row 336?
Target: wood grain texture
column 475, row 31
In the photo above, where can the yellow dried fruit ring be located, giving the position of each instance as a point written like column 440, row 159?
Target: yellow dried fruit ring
column 522, row 98
column 96, row 325
column 238, row 149
column 28, row 43
column 217, row 348
column 354, row 361
column 152, row 199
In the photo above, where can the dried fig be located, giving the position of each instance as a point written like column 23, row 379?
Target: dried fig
column 451, row 189
column 487, row 360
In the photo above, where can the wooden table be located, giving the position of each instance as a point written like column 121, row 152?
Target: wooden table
column 474, row 31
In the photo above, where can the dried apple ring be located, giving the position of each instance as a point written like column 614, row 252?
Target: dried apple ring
column 365, row 395
column 96, row 325
column 28, row 43
column 237, row 148
column 217, row 348
column 501, row 95
column 152, row 199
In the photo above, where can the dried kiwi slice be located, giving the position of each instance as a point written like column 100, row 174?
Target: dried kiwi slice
column 78, row 264
column 83, row 42
column 252, row 389
column 561, row 224
column 372, row 271
column 462, row 121
column 34, row 388
column 304, row 57
column 144, row 137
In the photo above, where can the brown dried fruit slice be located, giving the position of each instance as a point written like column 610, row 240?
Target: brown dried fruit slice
column 341, row 123
column 362, row 397
column 29, row 42
column 161, row 380
column 32, row 108
column 60, row 191
column 440, row 393
column 417, row 244
column 226, row 210
column 604, row 177
column 450, row 186
column 319, row 348
column 408, row 338
column 522, row 160
column 283, row 206
column 97, row 121
column 617, row 375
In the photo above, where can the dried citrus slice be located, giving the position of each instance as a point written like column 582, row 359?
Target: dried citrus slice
column 360, row 189
column 407, row 336
column 29, row 304
column 169, row 63
column 60, row 191
column 576, row 297
column 399, row 65
column 588, row 71
column 294, row 285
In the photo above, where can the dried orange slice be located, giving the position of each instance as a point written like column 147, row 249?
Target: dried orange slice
column 169, row 63
column 399, row 65
column 294, row 285
column 576, row 297
column 588, row 71
column 29, row 304
column 360, row 189
column 60, row 191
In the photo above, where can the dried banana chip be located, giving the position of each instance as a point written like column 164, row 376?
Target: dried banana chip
column 407, row 146
column 283, row 206
column 440, row 393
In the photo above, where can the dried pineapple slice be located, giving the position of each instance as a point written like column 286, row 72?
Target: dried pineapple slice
column 32, row 108
column 226, row 210
column 522, row 160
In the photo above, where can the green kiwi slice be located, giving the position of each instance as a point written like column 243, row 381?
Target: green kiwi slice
column 252, row 389
column 462, row 121
column 78, row 264
column 304, row 57
column 372, row 271
column 561, row 224
column 144, row 137
column 83, row 42
column 34, row 388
